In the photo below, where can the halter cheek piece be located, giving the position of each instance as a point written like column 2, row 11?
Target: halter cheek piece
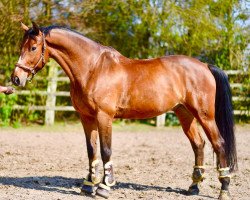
column 33, row 70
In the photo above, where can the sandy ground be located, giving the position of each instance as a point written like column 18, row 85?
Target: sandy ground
column 149, row 163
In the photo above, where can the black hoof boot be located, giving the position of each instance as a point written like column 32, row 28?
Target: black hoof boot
column 92, row 181
column 88, row 189
column 103, row 191
column 193, row 190
column 197, row 176
column 224, row 177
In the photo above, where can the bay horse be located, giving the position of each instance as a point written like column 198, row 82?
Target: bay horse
column 105, row 85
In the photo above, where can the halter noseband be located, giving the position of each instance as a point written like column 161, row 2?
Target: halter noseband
column 32, row 70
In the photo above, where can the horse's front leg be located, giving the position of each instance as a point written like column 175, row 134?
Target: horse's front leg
column 105, row 134
column 92, row 180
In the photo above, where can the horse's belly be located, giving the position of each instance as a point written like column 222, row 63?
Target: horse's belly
column 145, row 109
column 146, row 104
column 137, row 114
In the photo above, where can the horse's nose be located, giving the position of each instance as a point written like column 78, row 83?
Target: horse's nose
column 15, row 80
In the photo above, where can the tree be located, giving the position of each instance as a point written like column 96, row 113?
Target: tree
column 206, row 29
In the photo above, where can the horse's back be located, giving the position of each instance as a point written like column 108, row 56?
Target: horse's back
column 154, row 86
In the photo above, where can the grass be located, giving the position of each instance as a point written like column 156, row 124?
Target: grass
column 76, row 126
column 118, row 126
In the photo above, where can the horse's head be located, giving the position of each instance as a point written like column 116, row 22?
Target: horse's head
column 33, row 55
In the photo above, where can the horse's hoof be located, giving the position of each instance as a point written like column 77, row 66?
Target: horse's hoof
column 193, row 190
column 224, row 195
column 103, row 191
column 87, row 190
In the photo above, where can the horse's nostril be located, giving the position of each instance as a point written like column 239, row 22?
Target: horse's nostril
column 16, row 80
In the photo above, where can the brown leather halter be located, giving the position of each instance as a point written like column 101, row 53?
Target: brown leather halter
column 33, row 70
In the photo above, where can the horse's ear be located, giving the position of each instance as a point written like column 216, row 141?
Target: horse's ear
column 24, row 27
column 35, row 28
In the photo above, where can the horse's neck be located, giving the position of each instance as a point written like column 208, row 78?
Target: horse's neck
column 74, row 53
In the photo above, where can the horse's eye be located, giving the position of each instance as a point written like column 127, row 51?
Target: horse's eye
column 33, row 48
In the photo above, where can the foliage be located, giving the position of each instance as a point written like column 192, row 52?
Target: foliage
column 6, row 105
column 210, row 30
column 172, row 120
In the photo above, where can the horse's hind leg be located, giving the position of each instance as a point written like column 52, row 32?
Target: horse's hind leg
column 210, row 127
column 206, row 117
column 189, row 125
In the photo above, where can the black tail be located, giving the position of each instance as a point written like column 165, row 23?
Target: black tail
column 224, row 115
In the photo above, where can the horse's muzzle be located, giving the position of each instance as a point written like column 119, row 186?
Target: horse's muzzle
column 15, row 80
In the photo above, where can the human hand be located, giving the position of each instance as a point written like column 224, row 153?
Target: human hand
column 9, row 90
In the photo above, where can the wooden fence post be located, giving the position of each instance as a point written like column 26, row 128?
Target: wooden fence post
column 160, row 120
column 51, row 97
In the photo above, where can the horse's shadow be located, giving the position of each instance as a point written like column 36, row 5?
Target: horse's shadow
column 140, row 187
column 133, row 186
column 54, row 184
column 65, row 185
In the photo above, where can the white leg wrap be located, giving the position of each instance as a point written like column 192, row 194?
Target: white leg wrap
column 104, row 186
column 94, row 172
column 224, row 173
column 108, row 174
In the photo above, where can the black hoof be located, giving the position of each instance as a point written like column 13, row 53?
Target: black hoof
column 87, row 190
column 193, row 190
column 103, row 192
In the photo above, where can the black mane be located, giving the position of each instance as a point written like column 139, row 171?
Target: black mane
column 46, row 30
